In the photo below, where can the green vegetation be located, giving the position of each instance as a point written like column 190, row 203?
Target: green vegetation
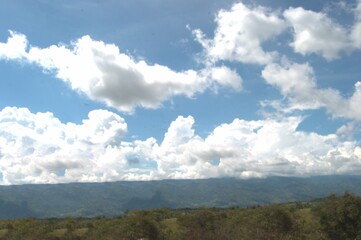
column 336, row 217
column 341, row 217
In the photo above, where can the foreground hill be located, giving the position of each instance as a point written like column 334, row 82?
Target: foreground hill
column 332, row 218
column 114, row 198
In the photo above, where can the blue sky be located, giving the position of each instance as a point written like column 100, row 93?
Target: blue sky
column 140, row 90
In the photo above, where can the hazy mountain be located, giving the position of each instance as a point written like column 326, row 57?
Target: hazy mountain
column 113, row 198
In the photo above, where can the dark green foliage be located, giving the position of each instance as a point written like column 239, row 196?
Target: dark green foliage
column 332, row 218
column 340, row 217
column 203, row 224
column 268, row 223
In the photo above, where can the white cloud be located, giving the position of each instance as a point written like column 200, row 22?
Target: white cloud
column 38, row 148
column 240, row 33
column 14, row 48
column 314, row 32
column 104, row 74
column 252, row 149
column 179, row 132
column 297, row 83
column 356, row 35
column 349, row 130
column 293, row 80
column 226, row 77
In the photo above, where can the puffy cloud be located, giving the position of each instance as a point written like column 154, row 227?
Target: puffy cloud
column 295, row 79
column 38, row 148
column 314, row 32
column 226, row 77
column 104, row 74
column 14, row 48
column 253, row 149
column 349, row 130
column 179, row 132
column 298, row 84
column 240, row 33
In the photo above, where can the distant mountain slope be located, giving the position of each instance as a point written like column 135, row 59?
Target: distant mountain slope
column 113, row 198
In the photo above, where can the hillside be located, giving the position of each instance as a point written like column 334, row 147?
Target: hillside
column 114, row 198
column 331, row 218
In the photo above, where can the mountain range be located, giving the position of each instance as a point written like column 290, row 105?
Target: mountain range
column 114, row 198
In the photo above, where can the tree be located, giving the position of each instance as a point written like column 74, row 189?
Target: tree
column 202, row 224
column 268, row 223
column 139, row 226
column 340, row 217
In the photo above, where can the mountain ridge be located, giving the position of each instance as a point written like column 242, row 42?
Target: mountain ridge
column 114, row 198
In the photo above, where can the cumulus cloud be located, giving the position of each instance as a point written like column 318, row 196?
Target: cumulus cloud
column 293, row 79
column 102, row 73
column 240, row 33
column 349, row 130
column 14, row 48
column 314, row 32
column 226, row 77
column 38, row 148
column 297, row 83
column 256, row 148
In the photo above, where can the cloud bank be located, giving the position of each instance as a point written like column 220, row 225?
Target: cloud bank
column 38, row 148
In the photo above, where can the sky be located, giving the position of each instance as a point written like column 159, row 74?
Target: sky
column 95, row 91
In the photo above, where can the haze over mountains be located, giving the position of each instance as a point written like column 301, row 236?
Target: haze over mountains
column 114, row 198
